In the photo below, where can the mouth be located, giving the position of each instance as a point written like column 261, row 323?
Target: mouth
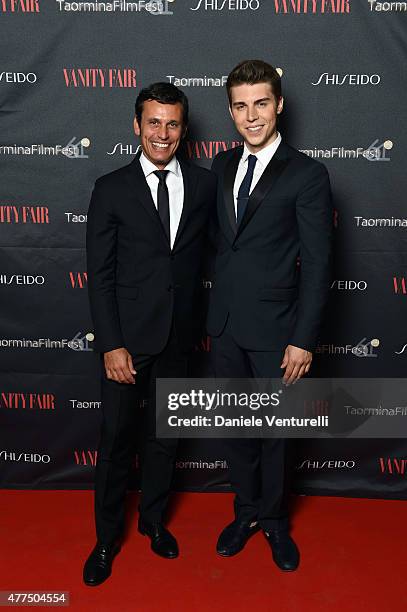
column 160, row 146
column 255, row 129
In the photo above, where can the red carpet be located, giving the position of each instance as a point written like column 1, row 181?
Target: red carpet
column 352, row 557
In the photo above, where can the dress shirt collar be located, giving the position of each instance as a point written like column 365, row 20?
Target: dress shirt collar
column 148, row 167
column 264, row 156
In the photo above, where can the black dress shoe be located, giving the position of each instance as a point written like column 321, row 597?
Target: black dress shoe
column 163, row 542
column 234, row 537
column 98, row 566
column 284, row 549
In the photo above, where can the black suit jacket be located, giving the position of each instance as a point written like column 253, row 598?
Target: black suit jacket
column 271, row 300
column 136, row 283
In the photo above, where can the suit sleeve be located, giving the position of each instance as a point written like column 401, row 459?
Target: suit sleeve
column 314, row 219
column 101, row 241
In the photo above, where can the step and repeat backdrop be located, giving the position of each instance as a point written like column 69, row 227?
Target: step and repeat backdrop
column 69, row 76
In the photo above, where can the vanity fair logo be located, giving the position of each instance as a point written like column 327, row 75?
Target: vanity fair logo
column 208, row 149
column 78, row 280
column 386, row 7
column 311, row 6
column 400, row 285
column 396, row 466
column 86, row 457
column 100, row 77
column 19, row 6
column 14, row 400
column 18, row 77
column 24, row 214
column 226, row 5
column 325, row 78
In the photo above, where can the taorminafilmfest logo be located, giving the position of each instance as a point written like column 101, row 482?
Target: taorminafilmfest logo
column 151, row 7
column 376, row 151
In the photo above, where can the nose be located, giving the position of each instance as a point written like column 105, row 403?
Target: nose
column 163, row 132
column 252, row 113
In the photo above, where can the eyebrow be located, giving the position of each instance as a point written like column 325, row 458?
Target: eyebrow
column 256, row 101
column 158, row 119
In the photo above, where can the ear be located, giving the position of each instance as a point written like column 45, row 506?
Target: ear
column 136, row 127
column 280, row 105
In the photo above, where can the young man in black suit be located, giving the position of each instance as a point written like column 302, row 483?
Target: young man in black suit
column 265, row 310
column 146, row 237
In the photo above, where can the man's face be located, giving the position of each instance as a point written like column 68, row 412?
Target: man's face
column 161, row 131
column 254, row 110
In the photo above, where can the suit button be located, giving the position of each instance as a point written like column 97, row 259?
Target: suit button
column 235, row 248
column 169, row 288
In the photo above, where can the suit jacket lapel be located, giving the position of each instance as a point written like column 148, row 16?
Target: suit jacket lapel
column 142, row 191
column 271, row 173
column 190, row 183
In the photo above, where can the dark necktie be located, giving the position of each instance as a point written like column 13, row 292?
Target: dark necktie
column 244, row 189
column 163, row 201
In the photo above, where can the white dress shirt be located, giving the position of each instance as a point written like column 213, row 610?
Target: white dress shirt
column 175, row 185
column 263, row 158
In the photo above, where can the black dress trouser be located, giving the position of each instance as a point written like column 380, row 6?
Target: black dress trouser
column 123, row 421
column 259, row 468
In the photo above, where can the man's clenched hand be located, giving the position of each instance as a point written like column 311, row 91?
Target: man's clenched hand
column 119, row 366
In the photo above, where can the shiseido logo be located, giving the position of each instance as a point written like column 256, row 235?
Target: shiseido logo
column 387, row 6
column 24, row 457
column 329, row 464
column 19, row 6
column 399, row 285
column 18, row 77
column 24, row 214
column 79, row 280
column 227, row 5
column 349, row 285
column 312, row 6
column 393, row 465
column 27, row 401
column 100, row 77
column 123, row 149
column 347, row 79
column 381, row 222
column 208, row 149
column 86, row 457
column 21, row 279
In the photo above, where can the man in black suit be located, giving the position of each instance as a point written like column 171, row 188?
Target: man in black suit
column 265, row 310
column 146, row 237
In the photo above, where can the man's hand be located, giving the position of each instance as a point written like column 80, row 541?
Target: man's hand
column 297, row 362
column 119, row 366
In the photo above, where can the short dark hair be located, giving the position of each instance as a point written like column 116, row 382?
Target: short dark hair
column 251, row 72
column 165, row 93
